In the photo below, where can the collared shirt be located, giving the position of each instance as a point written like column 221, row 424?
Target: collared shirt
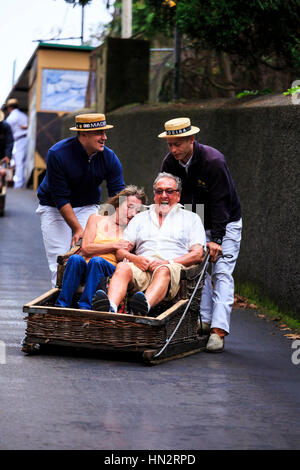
column 72, row 177
column 16, row 119
column 185, row 165
column 180, row 230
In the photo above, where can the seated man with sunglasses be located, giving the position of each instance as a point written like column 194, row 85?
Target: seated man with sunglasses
column 165, row 238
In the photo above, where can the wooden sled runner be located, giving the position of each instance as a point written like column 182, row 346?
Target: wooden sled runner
column 172, row 333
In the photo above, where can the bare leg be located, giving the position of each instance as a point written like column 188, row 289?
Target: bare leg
column 158, row 288
column 119, row 282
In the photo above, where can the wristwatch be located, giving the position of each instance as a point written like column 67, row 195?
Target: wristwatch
column 217, row 240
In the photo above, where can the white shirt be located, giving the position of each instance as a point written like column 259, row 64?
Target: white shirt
column 186, row 165
column 180, row 230
column 16, row 119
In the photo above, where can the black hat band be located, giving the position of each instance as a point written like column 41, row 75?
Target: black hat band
column 90, row 125
column 179, row 131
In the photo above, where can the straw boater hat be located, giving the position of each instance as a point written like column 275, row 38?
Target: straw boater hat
column 179, row 127
column 90, row 122
column 12, row 102
column 2, row 116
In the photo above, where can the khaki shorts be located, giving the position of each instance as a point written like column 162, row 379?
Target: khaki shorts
column 142, row 279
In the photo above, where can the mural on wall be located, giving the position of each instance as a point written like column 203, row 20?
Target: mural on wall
column 63, row 90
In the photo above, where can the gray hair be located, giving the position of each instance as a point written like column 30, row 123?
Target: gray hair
column 168, row 175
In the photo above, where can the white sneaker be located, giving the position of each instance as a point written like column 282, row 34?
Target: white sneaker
column 215, row 343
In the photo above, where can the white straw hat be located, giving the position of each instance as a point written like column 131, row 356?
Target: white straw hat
column 179, row 127
column 90, row 122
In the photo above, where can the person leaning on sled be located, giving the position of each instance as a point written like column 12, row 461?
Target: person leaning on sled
column 70, row 191
column 206, row 180
column 165, row 238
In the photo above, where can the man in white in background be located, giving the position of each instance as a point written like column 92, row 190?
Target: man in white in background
column 18, row 122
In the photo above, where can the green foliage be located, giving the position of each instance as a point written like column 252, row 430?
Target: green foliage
column 253, row 30
column 149, row 17
column 256, row 30
column 147, row 21
column 292, row 91
column 244, row 93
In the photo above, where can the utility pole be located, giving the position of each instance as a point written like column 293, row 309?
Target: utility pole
column 82, row 24
column 126, row 19
column 14, row 72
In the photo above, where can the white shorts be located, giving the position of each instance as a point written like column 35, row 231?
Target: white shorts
column 142, row 279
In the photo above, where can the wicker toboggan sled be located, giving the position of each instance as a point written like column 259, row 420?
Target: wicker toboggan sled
column 171, row 332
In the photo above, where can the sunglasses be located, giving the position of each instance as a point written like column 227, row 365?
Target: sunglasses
column 167, row 191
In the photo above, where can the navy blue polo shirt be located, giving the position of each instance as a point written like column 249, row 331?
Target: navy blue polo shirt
column 72, row 177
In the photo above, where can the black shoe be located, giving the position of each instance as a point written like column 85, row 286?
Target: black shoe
column 138, row 304
column 101, row 301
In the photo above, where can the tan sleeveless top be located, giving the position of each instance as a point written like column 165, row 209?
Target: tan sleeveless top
column 110, row 257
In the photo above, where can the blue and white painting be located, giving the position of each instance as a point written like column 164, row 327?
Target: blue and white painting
column 63, row 90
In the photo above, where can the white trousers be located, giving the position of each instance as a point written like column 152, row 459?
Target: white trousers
column 57, row 234
column 19, row 156
column 218, row 290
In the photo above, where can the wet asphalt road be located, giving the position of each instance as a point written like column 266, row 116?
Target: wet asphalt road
column 246, row 398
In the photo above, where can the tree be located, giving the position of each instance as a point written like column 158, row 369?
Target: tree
column 256, row 31
column 265, row 31
column 147, row 19
column 235, row 33
column 235, row 43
